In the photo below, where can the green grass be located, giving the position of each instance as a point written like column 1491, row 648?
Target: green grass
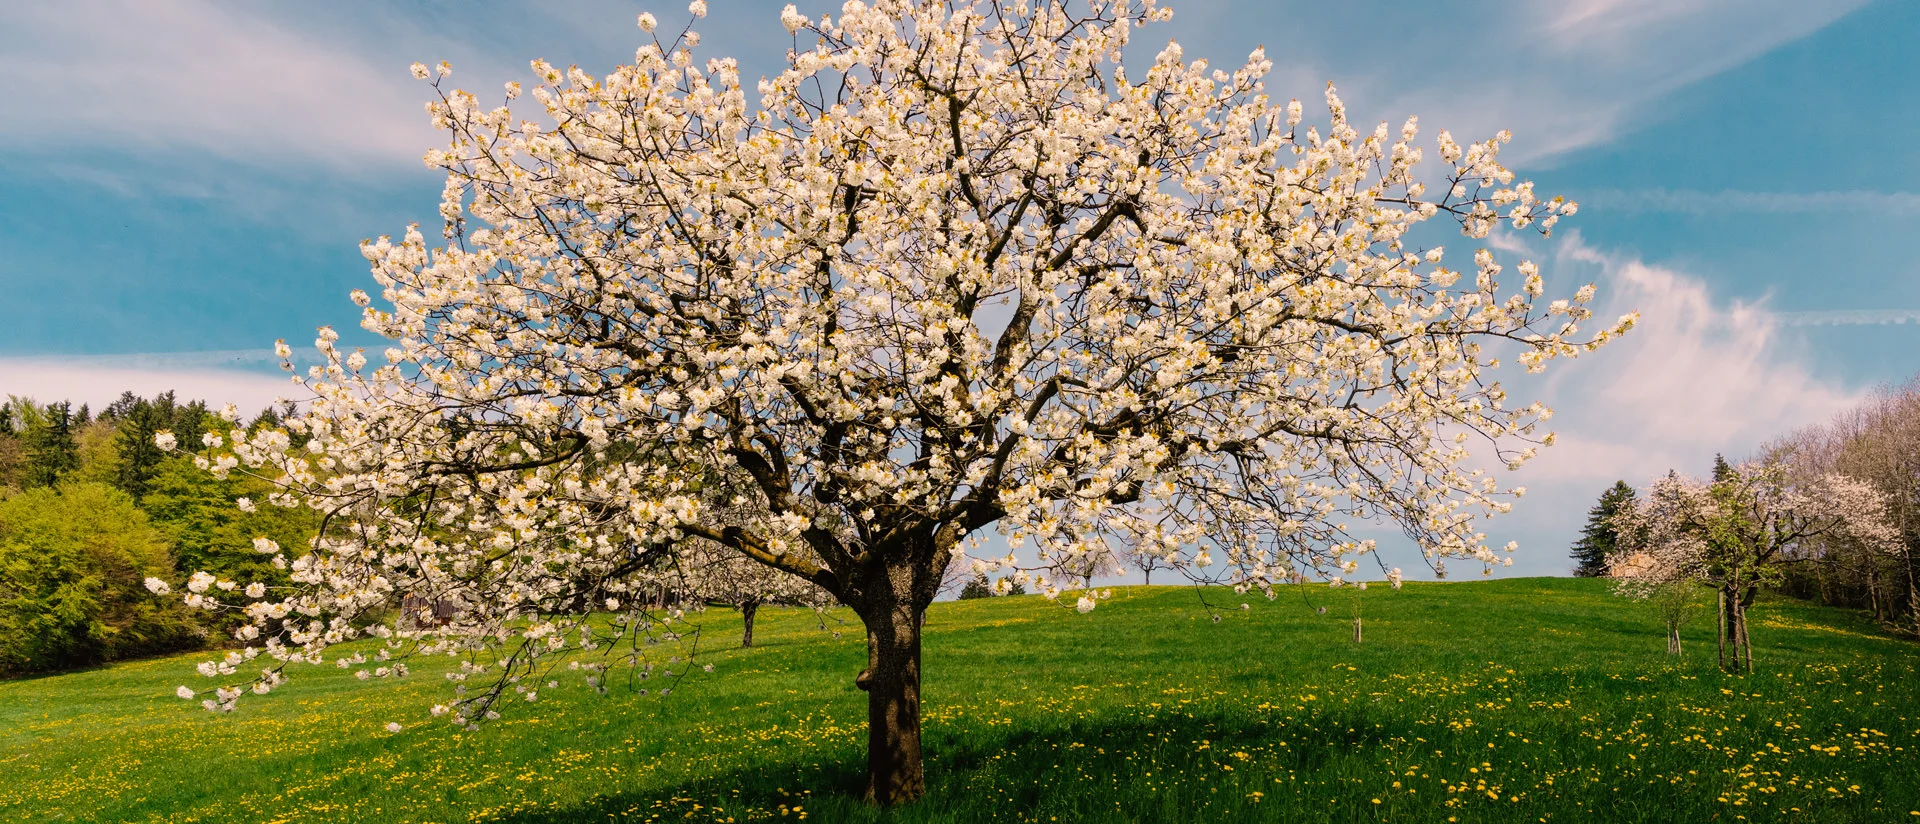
column 1522, row 700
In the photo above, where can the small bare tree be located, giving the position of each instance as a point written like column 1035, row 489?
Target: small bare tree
column 1665, row 575
column 1147, row 560
column 1086, row 566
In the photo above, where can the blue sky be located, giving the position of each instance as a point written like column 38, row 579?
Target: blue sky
column 188, row 180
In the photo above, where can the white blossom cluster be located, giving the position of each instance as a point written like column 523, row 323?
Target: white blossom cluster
column 1738, row 531
column 960, row 265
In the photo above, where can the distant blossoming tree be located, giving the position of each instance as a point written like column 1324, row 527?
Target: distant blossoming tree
column 1878, row 443
column 1081, row 568
column 960, row 266
column 718, row 575
column 1145, row 560
column 1740, row 532
column 1658, row 557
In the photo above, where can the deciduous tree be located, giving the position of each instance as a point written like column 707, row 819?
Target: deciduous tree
column 1658, row 557
column 1746, row 529
column 719, row 575
column 961, row 265
column 72, row 561
column 1877, row 443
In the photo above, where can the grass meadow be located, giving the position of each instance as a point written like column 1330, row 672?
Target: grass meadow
column 1518, row 700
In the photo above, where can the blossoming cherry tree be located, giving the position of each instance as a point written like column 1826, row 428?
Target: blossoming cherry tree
column 960, row 266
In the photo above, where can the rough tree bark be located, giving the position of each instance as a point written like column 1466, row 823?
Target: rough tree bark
column 1913, row 581
column 892, row 682
column 1720, row 637
column 1735, row 644
column 747, row 611
column 1746, row 638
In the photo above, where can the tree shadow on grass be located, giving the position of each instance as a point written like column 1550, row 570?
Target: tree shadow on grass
column 1112, row 769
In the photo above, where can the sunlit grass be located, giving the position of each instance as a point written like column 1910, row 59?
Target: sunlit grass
column 1476, row 702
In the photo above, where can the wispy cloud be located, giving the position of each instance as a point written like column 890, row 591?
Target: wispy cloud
column 1687, row 201
column 272, row 82
column 1700, row 374
column 1561, row 76
column 191, row 74
column 1849, row 317
column 1587, row 19
column 220, row 359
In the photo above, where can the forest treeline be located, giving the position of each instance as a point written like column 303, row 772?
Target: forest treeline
column 90, row 508
column 1876, row 443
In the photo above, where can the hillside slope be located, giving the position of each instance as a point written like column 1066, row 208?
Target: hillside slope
column 1520, row 700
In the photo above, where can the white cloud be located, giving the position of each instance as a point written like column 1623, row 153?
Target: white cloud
column 1745, row 202
column 190, row 74
column 97, row 381
column 1699, row 375
column 267, row 82
column 1849, row 317
column 1562, row 76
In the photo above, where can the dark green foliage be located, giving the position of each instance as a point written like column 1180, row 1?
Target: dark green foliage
column 139, row 420
column 197, row 514
column 1598, row 539
column 1722, row 471
column 72, row 562
column 270, row 417
column 13, row 461
column 980, row 588
column 51, row 450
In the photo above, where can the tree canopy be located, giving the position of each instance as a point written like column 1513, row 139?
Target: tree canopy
column 72, row 562
column 963, row 266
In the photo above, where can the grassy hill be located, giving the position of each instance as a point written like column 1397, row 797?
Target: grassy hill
column 1521, row 700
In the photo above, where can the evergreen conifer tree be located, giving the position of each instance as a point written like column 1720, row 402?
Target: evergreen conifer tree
column 51, row 451
column 139, row 420
column 1722, row 471
column 1598, row 539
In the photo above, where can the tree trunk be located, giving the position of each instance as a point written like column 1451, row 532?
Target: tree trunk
column 1356, row 630
column 1673, row 640
column 1913, row 591
column 1913, row 578
column 1720, row 639
column 1149, row 573
column 1746, row 637
column 746, row 616
column 892, row 682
